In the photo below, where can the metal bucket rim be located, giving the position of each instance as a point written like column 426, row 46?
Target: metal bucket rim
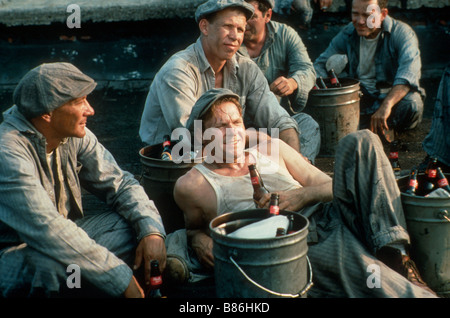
column 297, row 235
column 146, row 160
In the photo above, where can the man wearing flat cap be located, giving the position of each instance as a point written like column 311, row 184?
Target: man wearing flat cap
column 212, row 62
column 281, row 55
column 47, row 155
column 350, row 229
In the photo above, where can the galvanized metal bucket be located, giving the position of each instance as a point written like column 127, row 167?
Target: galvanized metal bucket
column 428, row 223
column 260, row 268
column 158, row 179
column 336, row 110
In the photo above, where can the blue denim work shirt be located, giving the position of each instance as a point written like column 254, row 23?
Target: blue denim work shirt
column 397, row 57
column 187, row 75
column 27, row 200
column 284, row 54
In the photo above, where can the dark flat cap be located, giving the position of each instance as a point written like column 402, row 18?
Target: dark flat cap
column 218, row 5
column 270, row 3
column 49, row 86
column 205, row 102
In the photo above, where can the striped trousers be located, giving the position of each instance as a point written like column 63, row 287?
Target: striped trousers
column 26, row 272
column 365, row 214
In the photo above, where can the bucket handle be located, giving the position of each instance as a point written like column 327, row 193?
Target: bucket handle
column 300, row 293
column 443, row 214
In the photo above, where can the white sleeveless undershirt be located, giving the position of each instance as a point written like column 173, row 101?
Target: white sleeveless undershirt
column 236, row 193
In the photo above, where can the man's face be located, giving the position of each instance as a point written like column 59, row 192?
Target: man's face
column 224, row 36
column 360, row 15
column 69, row 120
column 228, row 124
column 257, row 24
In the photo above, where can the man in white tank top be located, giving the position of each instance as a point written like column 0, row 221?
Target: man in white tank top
column 358, row 216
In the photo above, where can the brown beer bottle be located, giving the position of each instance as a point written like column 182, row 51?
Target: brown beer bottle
column 281, row 231
column 322, row 83
column 166, row 152
column 274, row 208
column 290, row 229
column 393, row 158
column 442, row 181
column 258, row 186
column 428, row 183
column 154, row 290
column 412, row 184
column 334, row 79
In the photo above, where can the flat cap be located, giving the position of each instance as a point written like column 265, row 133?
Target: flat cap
column 271, row 3
column 49, row 86
column 212, row 6
column 205, row 102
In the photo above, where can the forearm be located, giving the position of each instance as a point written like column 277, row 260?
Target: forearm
column 395, row 95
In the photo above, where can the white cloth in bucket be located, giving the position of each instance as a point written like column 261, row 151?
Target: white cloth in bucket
column 266, row 228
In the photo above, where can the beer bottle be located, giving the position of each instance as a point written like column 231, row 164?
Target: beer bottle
column 412, row 184
column 315, row 86
column 154, row 290
column 281, row 231
column 258, row 186
column 442, row 181
column 393, row 158
column 274, row 208
column 322, row 83
column 166, row 152
column 334, row 79
column 291, row 224
column 428, row 183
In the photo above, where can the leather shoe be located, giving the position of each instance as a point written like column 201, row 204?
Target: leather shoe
column 176, row 271
column 403, row 265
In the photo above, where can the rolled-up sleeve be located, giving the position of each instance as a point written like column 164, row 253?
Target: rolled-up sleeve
column 300, row 69
column 409, row 62
column 262, row 106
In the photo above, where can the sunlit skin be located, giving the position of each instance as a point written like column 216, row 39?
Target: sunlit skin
column 360, row 16
column 228, row 126
column 222, row 38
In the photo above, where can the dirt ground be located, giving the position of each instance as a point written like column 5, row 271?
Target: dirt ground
column 410, row 154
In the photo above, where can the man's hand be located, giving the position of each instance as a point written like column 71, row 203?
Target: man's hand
column 378, row 121
column 202, row 244
column 150, row 247
column 283, row 86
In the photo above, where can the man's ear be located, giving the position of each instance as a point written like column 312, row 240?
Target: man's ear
column 268, row 15
column 47, row 117
column 203, row 26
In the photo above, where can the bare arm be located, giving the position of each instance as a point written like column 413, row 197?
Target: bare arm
column 317, row 186
column 378, row 122
column 197, row 199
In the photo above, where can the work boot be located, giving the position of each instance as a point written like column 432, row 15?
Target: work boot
column 403, row 265
column 176, row 271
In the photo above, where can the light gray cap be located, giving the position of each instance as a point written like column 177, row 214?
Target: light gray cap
column 205, row 102
column 212, row 6
column 49, row 86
